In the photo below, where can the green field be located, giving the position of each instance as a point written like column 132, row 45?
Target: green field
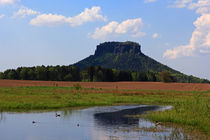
column 189, row 108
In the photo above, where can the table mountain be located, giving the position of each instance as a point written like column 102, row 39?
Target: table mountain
column 122, row 56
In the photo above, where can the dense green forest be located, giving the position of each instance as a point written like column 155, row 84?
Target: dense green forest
column 93, row 73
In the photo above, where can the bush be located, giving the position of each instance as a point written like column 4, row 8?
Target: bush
column 1, row 75
column 166, row 77
column 77, row 86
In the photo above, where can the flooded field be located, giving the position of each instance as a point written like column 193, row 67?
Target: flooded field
column 97, row 123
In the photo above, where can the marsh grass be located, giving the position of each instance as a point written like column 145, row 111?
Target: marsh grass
column 189, row 107
column 192, row 111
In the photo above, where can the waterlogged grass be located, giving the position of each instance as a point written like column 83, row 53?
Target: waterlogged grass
column 189, row 108
column 194, row 111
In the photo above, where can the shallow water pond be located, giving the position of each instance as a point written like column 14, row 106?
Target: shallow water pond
column 97, row 123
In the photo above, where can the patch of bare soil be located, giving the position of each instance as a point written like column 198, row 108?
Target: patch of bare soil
column 111, row 85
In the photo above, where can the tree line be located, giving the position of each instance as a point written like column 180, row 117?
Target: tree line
column 91, row 74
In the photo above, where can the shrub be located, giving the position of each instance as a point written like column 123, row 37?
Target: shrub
column 166, row 77
column 77, row 86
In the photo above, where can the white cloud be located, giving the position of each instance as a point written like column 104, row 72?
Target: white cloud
column 201, row 6
column 182, row 3
column 1, row 16
column 88, row 15
column 207, row 40
column 149, row 1
column 179, row 51
column 4, row 2
column 49, row 20
column 200, row 39
column 24, row 11
column 102, row 33
column 131, row 27
column 155, row 35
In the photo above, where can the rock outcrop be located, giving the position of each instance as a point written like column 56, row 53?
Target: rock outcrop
column 118, row 48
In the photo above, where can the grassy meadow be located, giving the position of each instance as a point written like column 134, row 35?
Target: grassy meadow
column 189, row 107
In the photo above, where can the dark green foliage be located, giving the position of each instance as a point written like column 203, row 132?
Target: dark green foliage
column 9, row 74
column 77, row 86
column 49, row 73
column 95, row 73
column 92, row 74
column 166, row 77
column 23, row 74
column 1, row 75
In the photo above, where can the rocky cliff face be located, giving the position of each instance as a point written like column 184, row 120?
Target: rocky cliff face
column 118, row 48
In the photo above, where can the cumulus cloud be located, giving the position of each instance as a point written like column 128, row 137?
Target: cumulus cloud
column 131, row 27
column 5, row 2
column 49, row 20
column 201, row 6
column 182, row 3
column 155, row 35
column 149, row 1
column 88, row 15
column 24, row 12
column 200, row 39
column 1, row 16
column 179, row 51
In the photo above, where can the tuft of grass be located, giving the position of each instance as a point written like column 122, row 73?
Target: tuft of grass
column 77, row 86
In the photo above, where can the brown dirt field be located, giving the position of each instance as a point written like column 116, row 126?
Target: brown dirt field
column 111, row 85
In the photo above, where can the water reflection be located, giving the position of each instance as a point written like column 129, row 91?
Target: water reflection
column 122, row 117
column 2, row 117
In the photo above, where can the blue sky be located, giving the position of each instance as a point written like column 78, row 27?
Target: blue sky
column 62, row 32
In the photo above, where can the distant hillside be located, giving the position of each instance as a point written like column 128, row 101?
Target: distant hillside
column 127, row 56
column 122, row 56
